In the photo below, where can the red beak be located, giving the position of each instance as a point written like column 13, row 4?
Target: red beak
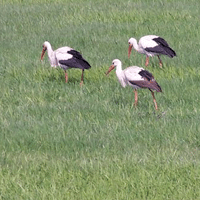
column 110, row 69
column 43, row 52
column 129, row 50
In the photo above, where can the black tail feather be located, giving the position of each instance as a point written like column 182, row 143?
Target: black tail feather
column 170, row 52
column 165, row 46
column 148, row 82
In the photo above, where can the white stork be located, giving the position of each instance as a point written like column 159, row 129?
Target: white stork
column 65, row 57
column 136, row 77
column 151, row 45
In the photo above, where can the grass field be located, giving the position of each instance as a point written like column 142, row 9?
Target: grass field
column 60, row 141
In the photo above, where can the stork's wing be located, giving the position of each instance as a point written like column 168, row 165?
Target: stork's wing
column 147, row 84
column 147, row 81
column 63, row 50
column 160, row 40
column 79, row 58
column 63, row 56
column 157, row 49
column 146, row 75
column 73, row 59
column 148, row 41
column 161, row 49
column 153, row 43
column 70, row 63
column 132, row 73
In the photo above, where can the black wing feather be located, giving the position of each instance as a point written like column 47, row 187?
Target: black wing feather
column 162, row 48
column 148, row 82
column 75, row 53
column 77, row 61
column 146, row 74
column 160, row 40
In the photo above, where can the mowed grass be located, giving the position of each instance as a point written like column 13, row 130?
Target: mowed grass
column 63, row 141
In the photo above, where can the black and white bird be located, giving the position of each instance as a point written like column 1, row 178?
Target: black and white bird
column 136, row 77
column 151, row 45
column 65, row 57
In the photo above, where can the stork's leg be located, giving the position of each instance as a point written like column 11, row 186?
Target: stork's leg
column 154, row 99
column 160, row 62
column 66, row 77
column 81, row 83
column 136, row 98
column 147, row 61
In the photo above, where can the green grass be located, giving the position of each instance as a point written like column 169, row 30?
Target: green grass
column 60, row 141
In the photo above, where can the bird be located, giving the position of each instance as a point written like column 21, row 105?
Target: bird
column 65, row 57
column 151, row 45
column 136, row 77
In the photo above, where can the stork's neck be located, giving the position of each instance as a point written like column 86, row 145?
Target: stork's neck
column 120, row 75
column 49, row 51
column 119, row 70
column 135, row 45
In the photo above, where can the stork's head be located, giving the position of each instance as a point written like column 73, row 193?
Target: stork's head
column 44, row 48
column 115, row 63
column 131, row 42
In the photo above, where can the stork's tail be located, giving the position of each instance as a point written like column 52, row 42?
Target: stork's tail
column 170, row 52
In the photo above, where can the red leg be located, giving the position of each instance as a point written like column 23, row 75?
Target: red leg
column 160, row 62
column 66, row 77
column 81, row 83
column 136, row 98
column 154, row 100
column 147, row 61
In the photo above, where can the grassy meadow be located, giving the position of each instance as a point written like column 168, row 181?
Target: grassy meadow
column 63, row 141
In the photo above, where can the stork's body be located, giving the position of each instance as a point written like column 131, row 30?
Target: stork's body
column 136, row 77
column 151, row 45
column 65, row 57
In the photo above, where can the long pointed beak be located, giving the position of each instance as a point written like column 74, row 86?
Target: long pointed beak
column 110, row 69
column 129, row 50
column 43, row 52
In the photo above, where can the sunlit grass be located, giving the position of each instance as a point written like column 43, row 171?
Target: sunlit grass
column 60, row 141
